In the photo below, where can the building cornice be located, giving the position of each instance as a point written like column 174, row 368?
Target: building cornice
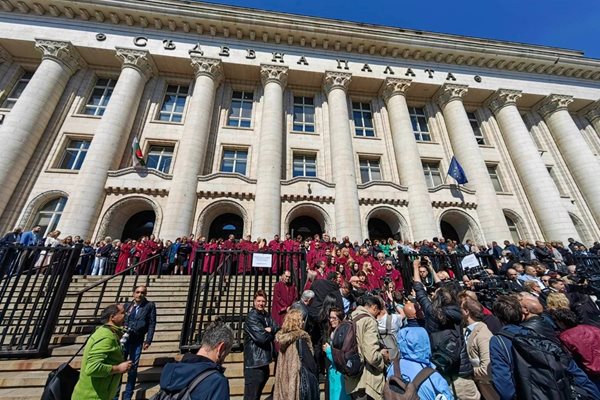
column 234, row 23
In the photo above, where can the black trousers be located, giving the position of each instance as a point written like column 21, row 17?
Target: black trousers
column 255, row 380
column 360, row 395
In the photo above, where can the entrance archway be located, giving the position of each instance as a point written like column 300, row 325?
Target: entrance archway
column 458, row 225
column 379, row 229
column 225, row 225
column 140, row 224
column 305, row 226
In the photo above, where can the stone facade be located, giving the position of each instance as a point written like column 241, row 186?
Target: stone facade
column 249, row 105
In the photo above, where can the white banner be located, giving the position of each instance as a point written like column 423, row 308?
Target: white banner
column 469, row 261
column 260, row 260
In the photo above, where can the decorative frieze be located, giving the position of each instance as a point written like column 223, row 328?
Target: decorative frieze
column 61, row 52
column 553, row 103
column 336, row 80
column 394, row 86
column 137, row 59
column 593, row 111
column 274, row 73
column 502, row 98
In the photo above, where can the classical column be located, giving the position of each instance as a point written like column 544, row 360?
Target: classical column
column 593, row 115
column 574, row 149
column 181, row 204
column 468, row 154
column 408, row 160
column 108, row 144
column 541, row 191
column 25, row 123
column 347, row 211
column 267, row 200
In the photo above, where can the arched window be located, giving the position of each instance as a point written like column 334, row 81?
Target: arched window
column 49, row 215
column 581, row 229
column 514, row 230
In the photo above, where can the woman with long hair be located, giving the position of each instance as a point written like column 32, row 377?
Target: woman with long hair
column 296, row 373
column 337, row 386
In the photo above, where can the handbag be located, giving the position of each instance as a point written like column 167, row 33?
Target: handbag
column 61, row 381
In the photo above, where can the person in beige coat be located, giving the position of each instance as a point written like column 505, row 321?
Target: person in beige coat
column 478, row 337
column 369, row 385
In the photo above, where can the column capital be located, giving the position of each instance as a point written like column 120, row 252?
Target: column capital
column 592, row 112
column 394, row 86
column 5, row 56
column 211, row 67
column 274, row 73
column 140, row 60
column 449, row 92
column 336, row 80
column 502, row 98
column 552, row 103
column 62, row 52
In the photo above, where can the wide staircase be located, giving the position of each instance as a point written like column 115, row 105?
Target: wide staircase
column 23, row 379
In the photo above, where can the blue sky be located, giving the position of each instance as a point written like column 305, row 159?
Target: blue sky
column 571, row 24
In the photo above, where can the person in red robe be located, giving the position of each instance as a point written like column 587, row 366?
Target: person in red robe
column 393, row 274
column 284, row 295
column 288, row 246
column 275, row 247
column 316, row 239
column 144, row 254
column 327, row 243
column 124, row 254
column 245, row 258
column 210, row 257
column 195, row 245
column 372, row 278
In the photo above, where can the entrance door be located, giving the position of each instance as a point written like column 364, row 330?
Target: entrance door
column 448, row 231
column 379, row 229
column 140, row 224
column 305, row 226
column 225, row 225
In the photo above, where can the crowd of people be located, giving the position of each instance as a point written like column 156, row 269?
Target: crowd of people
column 527, row 329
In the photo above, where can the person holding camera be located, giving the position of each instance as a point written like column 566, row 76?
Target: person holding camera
column 141, row 323
column 103, row 363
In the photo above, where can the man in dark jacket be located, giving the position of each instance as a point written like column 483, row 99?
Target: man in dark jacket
column 217, row 340
column 140, row 321
column 510, row 311
column 259, row 335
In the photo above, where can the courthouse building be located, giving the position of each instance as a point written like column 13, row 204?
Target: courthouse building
column 257, row 122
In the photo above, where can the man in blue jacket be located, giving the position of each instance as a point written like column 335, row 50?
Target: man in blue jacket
column 523, row 318
column 32, row 237
column 216, row 344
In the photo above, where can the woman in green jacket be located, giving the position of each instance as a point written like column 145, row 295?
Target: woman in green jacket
column 102, row 364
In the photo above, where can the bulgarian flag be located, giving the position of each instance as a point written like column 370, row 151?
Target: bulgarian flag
column 137, row 155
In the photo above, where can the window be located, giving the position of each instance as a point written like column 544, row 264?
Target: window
column 17, row 90
column 512, row 228
column 100, row 97
column 476, row 128
column 556, row 181
column 370, row 170
column 304, row 114
column 240, row 112
column 419, row 124
column 173, row 103
column 49, row 215
column 160, row 158
column 74, row 154
column 304, row 165
column 493, row 173
column 234, row 161
column 433, row 176
column 363, row 119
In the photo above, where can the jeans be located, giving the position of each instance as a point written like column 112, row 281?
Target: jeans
column 255, row 380
column 99, row 263
column 132, row 351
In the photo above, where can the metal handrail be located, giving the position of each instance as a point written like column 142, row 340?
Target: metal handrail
column 103, row 282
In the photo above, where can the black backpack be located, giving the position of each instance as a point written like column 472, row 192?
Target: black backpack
column 344, row 348
column 185, row 393
column 540, row 368
column 446, row 346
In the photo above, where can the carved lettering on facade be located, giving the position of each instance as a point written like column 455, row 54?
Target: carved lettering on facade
column 388, row 70
column 250, row 54
column 450, row 77
column 277, row 56
column 196, row 50
column 224, row 51
column 140, row 41
column 366, row 68
column 409, row 72
column 302, row 61
column 429, row 73
column 342, row 64
column 169, row 45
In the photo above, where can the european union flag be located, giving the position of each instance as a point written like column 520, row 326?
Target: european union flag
column 457, row 172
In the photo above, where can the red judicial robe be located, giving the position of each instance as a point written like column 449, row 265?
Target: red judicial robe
column 123, row 261
column 275, row 246
column 283, row 296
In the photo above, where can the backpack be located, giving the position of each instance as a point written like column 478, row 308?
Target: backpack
column 344, row 348
column 396, row 388
column 446, row 348
column 540, row 368
column 389, row 340
column 185, row 393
